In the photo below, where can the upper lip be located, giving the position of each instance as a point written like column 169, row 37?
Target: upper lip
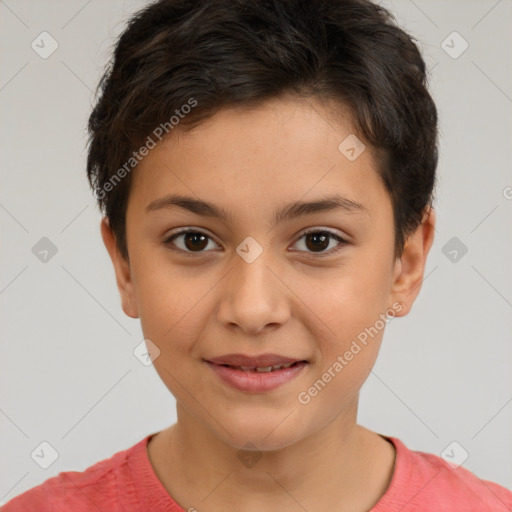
column 259, row 361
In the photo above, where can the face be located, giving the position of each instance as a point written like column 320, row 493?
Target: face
column 308, row 284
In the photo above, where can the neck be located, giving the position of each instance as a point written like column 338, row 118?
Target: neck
column 342, row 464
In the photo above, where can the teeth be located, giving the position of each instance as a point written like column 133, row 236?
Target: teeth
column 263, row 369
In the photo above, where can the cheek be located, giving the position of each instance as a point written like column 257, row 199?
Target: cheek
column 348, row 338
column 172, row 316
column 170, row 303
column 348, row 300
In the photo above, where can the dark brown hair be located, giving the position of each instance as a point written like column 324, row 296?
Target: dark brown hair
column 180, row 61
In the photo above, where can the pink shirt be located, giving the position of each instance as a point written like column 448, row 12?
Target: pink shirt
column 126, row 482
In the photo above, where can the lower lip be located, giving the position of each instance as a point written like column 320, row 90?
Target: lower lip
column 256, row 382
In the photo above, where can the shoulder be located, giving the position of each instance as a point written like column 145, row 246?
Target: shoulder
column 100, row 485
column 423, row 479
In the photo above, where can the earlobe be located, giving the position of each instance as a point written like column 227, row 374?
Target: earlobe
column 122, row 270
column 409, row 270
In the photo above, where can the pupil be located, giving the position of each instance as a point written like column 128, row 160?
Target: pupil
column 198, row 241
column 322, row 238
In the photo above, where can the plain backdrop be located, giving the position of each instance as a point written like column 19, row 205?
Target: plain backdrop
column 68, row 375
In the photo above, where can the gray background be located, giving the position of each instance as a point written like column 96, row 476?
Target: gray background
column 68, row 374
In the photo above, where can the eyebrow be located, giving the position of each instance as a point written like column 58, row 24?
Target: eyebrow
column 287, row 212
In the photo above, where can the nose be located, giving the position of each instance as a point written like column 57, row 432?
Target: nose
column 254, row 298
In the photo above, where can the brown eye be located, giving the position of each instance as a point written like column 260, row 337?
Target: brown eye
column 195, row 241
column 189, row 241
column 317, row 241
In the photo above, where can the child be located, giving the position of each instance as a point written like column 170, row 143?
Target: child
column 266, row 173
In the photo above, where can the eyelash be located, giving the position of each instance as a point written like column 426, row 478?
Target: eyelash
column 169, row 241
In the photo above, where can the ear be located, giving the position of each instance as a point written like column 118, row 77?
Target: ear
column 409, row 268
column 122, row 270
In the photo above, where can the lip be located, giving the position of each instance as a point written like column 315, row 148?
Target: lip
column 253, row 381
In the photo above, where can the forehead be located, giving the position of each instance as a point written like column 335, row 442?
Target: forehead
column 255, row 158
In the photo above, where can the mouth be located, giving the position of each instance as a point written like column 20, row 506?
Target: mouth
column 263, row 369
column 256, row 374
column 257, row 361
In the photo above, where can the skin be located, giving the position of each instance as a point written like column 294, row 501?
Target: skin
column 289, row 301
